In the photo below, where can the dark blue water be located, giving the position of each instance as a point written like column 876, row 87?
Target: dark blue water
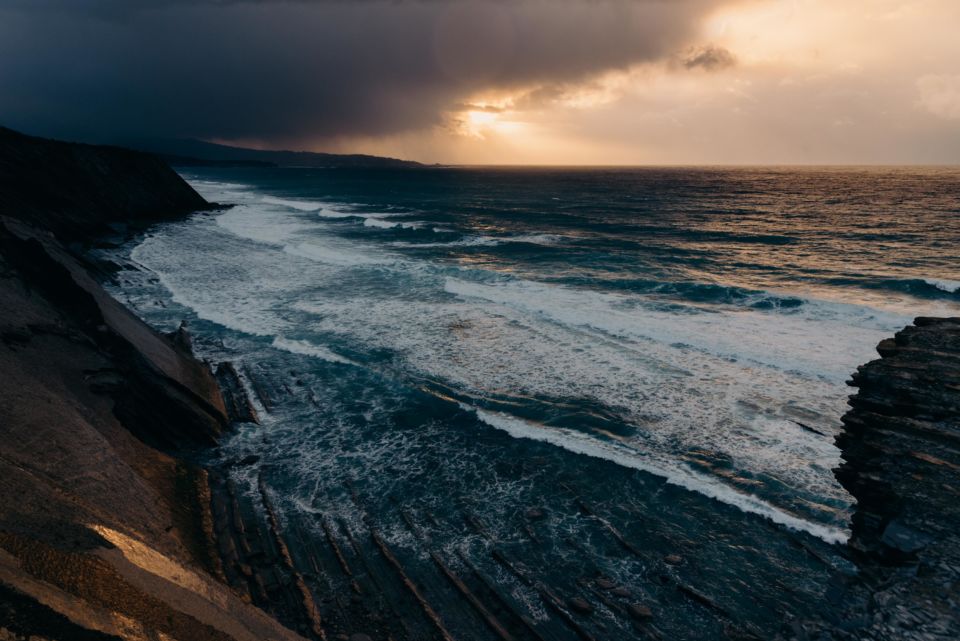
column 669, row 345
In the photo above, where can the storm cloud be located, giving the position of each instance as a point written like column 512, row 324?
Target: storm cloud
column 282, row 71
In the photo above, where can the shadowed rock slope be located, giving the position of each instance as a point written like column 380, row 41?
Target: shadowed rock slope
column 103, row 534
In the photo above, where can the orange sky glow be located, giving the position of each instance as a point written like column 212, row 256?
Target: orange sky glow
column 806, row 81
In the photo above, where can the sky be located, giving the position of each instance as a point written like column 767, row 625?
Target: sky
column 575, row 82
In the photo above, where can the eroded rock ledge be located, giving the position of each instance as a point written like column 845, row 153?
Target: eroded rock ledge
column 901, row 460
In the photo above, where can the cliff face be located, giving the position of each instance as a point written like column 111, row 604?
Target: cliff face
column 901, row 460
column 103, row 534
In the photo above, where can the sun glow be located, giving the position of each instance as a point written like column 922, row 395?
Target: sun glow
column 482, row 123
column 757, row 81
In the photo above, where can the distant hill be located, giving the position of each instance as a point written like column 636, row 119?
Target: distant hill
column 189, row 152
column 75, row 189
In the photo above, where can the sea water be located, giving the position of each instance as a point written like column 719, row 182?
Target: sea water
column 670, row 345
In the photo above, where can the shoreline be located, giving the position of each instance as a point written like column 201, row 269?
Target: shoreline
column 105, row 522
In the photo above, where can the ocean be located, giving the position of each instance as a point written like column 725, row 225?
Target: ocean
column 590, row 370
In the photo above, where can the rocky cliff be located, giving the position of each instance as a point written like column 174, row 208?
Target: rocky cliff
column 901, row 461
column 103, row 533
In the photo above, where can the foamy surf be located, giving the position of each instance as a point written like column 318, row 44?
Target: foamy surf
column 333, row 255
column 949, row 286
column 674, row 474
column 299, row 205
column 306, row 348
column 379, row 223
column 779, row 340
column 485, row 241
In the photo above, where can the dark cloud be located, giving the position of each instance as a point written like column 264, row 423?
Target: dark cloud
column 709, row 58
column 285, row 71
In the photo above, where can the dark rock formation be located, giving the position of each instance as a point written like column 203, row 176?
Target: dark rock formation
column 76, row 190
column 103, row 534
column 239, row 407
column 901, row 460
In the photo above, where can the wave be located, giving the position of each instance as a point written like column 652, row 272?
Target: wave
column 379, row 223
column 261, row 225
column 779, row 340
column 674, row 474
column 919, row 287
column 331, row 255
column 307, row 348
column 696, row 292
column 486, row 241
column 324, row 210
column 473, row 241
column 300, row 205
column 949, row 286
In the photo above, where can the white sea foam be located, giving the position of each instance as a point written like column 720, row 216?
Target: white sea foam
column 485, row 241
column 675, row 474
column 334, row 254
column 260, row 224
column 379, row 223
column 300, row 205
column 307, row 348
column 779, row 340
column 679, row 398
column 473, row 241
column 726, row 381
column 950, row 286
column 214, row 185
column 337, row 214
column 536, row 239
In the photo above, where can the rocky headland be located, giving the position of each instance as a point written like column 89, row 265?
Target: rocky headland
column 104, row 532
column 107, row 531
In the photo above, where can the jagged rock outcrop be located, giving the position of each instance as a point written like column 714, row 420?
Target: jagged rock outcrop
column 901, row 461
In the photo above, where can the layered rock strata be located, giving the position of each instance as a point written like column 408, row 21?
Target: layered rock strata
column 104, row 534
column 901, row 461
